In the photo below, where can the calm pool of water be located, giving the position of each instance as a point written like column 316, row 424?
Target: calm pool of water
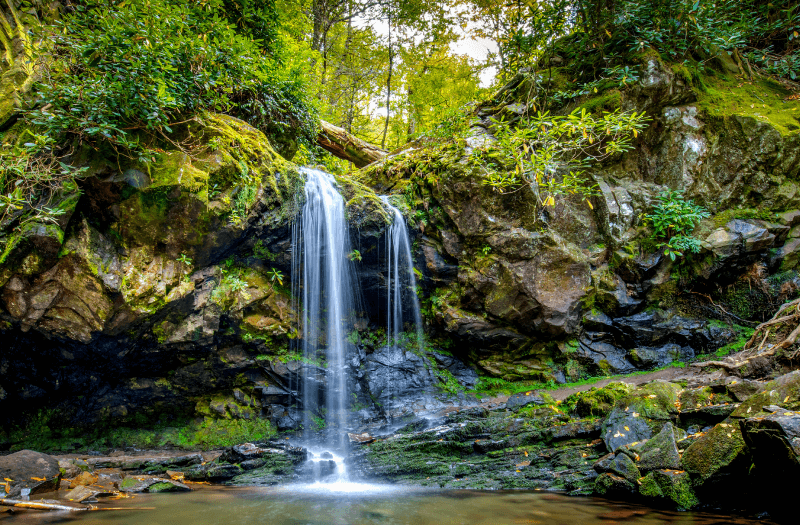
column 353, row 505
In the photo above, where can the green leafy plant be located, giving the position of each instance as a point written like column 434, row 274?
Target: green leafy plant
column 673, row 221
column 275, row 275
column 355, row 255
column 550, row 153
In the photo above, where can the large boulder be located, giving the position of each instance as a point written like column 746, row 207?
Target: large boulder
column 30, row 470
column 774, row 444
column 718, row 456
column 637, row 417
column 661, row 451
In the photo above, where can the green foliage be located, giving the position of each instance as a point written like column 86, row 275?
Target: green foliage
column 319, row 422
column 550, row 153
column 275, row 275
column 354, row 256
column 145, row 65
column 673, row 221
column 261, row 251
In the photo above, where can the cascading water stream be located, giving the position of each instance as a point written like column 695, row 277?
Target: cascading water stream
column 323, row 277
column 401, row 281
column 321, row 245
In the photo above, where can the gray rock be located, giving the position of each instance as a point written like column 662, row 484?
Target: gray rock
column 790, row 218
column 23, row 466
column 774, row 443
column 661, row 451
column 723, row 243
column 523, row 399
column 755, row 238
column 623, row 427
column 789, row 254
column 625, row 467
column 213, row 471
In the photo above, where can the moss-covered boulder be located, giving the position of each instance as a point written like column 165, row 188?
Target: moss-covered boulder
column 639, row 415
column 598, row 401
column 720, row 453
column 660, row 452
column 608, row 484
column 674, row 485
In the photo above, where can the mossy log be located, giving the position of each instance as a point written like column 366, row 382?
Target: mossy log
column 345, row 146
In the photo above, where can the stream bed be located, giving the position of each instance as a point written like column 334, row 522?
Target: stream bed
column 357, row 504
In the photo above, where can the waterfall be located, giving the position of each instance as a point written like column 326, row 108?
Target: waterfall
column 401, row 282
column 321, row 245
column 324, row 292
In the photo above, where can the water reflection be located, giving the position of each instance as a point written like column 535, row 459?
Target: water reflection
column 380, row 506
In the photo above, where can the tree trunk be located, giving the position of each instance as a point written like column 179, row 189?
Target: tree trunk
column 345, row 146
column 388, row 85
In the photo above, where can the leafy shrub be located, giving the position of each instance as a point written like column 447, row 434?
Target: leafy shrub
column 147, row 65
column 549, row 153
column 673, row 220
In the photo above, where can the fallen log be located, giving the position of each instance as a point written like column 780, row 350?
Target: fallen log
column 42, row 505
column 342, row 144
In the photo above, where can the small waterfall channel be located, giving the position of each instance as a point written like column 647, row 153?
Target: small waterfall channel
column 401, row 283
column 323, row 277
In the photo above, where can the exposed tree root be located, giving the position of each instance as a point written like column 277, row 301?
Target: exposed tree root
column 762, row 332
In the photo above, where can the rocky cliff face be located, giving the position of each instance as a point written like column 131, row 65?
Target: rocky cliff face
column 162, row 288
column 553, row 292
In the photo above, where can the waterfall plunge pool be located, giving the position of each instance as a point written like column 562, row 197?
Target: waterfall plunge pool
column 359, row 504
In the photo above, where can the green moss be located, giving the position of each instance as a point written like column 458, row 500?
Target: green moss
column 761, row 99
column 649, row 487
column 743, row 335
column 725, row 216
column 364, row 207
column 720, row 447
column 610, row 101
column 596, row 401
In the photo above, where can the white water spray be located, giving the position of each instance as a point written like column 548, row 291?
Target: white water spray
column 321, row 246
column 400, row 280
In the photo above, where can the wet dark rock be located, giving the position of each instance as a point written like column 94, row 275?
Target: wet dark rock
column 774, row 444
column 136, row 484
column 660, row 451
column 403, row 382
column 624, row 427
column 167, row 485
column 417, row 425
column 30, row 470
column 669, row 484
column 213, row 471
column 608, row 484
column 245, row 452
column 523, row 399
column 578, row 429
column 742, row 389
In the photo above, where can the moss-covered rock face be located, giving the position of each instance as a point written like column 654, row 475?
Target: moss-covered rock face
column 506, row 274
column 172, row 277
column 23, row 61
column 143, row 232
column 720, row 450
